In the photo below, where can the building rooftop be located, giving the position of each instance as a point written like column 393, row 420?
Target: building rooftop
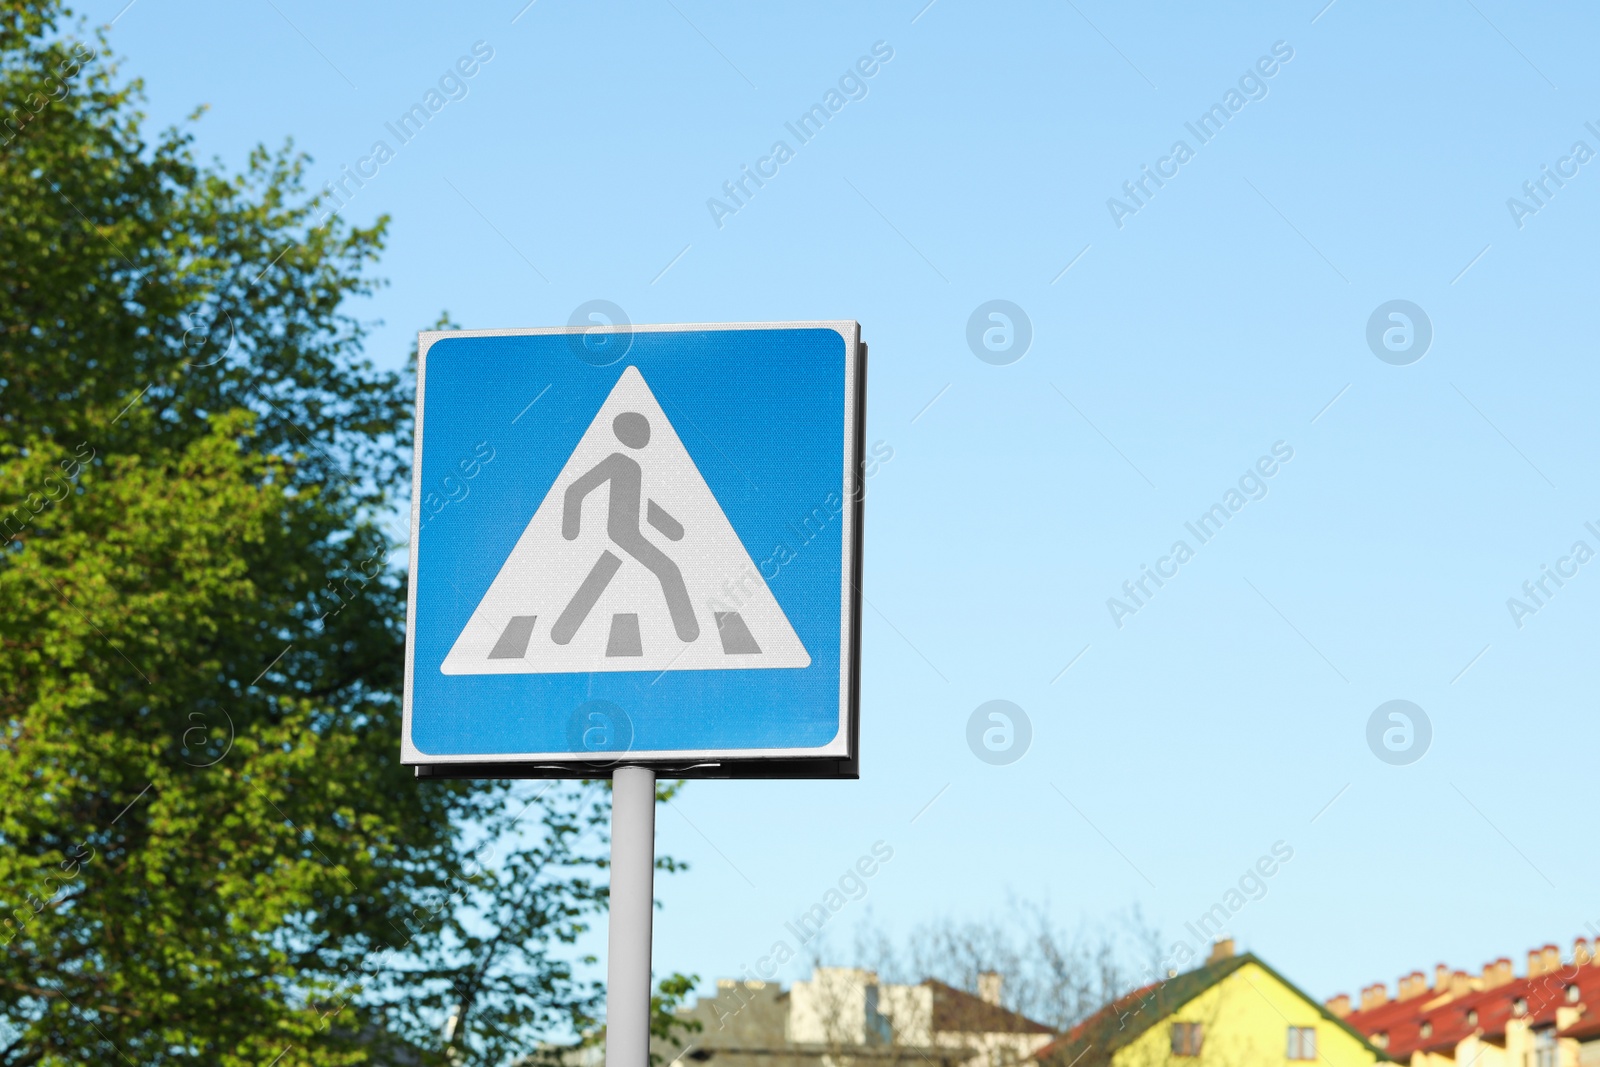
column 1458, row 1005
column 957, row 1011
column 759, row 1024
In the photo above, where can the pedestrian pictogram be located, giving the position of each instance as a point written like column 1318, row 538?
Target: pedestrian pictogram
column 629, row 564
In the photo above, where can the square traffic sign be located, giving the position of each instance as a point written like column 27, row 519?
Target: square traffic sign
column 636, row 544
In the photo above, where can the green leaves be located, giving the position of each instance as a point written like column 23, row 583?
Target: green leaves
column 206, row 842
column 173, row 708
column 208, row 849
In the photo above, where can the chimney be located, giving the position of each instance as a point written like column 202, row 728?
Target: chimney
column 1552, row 958
column 1461, row 983
column 1339, row 1006
column 1221, row 950
column 1374, row 996
column 989, row 987
column 1412, row 985
column 1497, row 972
column 1441, row 978
column 1580, row 952
column 1535, row 963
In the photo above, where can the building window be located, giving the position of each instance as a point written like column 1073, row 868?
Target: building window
column 1519, row 1006
column 1544, row 1052
column 1187, row 1038
column 1472, row 1016
column 1426, row 1029
column 1303, row 1043
column 1573, row 993
column 1381, row 1039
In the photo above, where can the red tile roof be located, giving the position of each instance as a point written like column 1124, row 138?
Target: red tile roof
column 1452, row 1018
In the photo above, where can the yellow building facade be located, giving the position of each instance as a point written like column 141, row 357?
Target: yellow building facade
column 1233, row 1011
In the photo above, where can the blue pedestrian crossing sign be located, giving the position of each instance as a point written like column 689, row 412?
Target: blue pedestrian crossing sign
column 636, row 544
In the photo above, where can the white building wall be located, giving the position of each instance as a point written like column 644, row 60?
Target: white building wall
column 832, row 1007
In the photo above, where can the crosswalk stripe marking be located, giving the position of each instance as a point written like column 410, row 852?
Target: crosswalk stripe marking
column 736, row 637
column 513, row 643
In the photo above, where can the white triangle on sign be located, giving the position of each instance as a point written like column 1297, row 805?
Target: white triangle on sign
column 653, row 577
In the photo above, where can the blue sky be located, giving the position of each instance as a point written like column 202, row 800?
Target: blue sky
column 1227, row 314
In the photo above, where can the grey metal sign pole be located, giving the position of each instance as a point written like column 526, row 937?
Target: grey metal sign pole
column 633, row 866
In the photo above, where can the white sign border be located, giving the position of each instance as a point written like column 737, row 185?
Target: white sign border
column 842, row 745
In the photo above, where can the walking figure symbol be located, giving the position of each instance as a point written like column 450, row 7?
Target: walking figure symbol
column 582, row 593
column 622, row 526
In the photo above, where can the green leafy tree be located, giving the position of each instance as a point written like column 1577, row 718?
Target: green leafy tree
column 208, row 849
